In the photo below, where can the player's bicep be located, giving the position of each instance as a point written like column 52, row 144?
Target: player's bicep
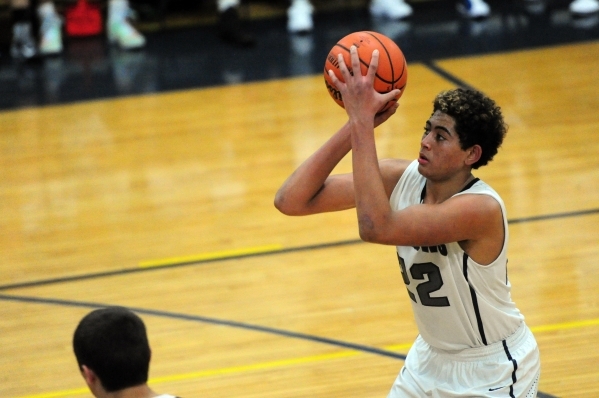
column 337, row 193
column 462, row 218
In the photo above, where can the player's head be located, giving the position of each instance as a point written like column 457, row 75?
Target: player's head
column 478, row 120
column 112, row 342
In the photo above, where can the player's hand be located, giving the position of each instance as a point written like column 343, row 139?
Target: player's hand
column 362, row 102
column 382, row 117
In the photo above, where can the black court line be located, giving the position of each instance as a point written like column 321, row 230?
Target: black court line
column 222, row 322
column 124, row 271
column 212, row 321
column 96, row 275
column 446, row 75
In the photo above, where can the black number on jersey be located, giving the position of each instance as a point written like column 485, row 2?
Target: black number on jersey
column 419, row 271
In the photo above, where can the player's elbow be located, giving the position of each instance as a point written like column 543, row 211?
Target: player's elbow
column 374, row 230
column 285, row 206
column 367, row 230
column 280, row 204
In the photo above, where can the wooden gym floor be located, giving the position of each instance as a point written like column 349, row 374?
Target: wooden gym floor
column 157, row 195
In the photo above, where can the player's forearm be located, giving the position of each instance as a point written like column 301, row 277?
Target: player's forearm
column 372, row 203
column 302, row 189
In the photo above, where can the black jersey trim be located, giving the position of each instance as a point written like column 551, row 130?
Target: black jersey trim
column 470, row 184
column 509, row 357
column 479, row 320
column 467, row 187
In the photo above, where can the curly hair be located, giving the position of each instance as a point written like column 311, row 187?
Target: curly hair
column 478, row 120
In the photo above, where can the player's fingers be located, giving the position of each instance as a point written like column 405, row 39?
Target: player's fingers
column 382, row 117
column 374, row 63
column 343, row 67
column 336, row 82
column 393, row 94
column 355, row 59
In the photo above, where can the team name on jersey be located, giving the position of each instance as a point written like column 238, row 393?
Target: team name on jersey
column 441, row 249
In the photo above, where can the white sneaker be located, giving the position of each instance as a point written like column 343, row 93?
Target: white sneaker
column 474, row 8
column 583, row 7
column 299, row 17
column 392, row 9
column 120, row 31
column 23, row 44
column 50, row 30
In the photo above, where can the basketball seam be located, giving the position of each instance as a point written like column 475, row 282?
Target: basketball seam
column 390, row 67
column 392, row 82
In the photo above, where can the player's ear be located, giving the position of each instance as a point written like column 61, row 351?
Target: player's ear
column 88, row 374
column 473, row 154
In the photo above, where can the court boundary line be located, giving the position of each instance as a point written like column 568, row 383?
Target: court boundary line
column 356, row 348
column 210, row 321
column 251, row 253
column 433, row 66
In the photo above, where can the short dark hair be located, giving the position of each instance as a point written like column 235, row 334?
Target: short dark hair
column 113, row 343
column 478, row 120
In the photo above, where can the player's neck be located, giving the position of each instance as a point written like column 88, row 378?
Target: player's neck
column 141, row 391
column 439, row 191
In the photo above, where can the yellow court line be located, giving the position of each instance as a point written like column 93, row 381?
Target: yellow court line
column 565, row 326
column 212, row 256
column 215, row 372
column 65, row 393
column 256, row 366
column 293, row 361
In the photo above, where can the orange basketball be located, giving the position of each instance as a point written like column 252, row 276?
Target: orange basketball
column 392, row 72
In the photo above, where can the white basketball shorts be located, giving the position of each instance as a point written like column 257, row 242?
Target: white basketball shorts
column 508, row 368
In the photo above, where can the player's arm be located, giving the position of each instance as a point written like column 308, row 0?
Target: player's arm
column 475, row 220
column 312, row 189
column 463, row 218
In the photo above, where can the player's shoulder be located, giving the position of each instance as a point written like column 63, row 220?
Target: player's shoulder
column 394, row 167
column 391, row 171
column 482, row 204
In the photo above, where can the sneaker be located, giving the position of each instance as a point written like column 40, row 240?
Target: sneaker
column 120, row 31
column 299, row 17
column 50, row 30
column 584, row 7
column 474, row 8
column 231, row 29
column 534, row 7
column 23, row 43
column 391, row 9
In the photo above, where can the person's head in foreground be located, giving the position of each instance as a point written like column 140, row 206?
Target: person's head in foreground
column 112, row 351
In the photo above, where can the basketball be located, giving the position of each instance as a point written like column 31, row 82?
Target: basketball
column 392, row 71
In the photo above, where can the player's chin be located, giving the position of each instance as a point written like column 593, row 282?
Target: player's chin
column 424, row 168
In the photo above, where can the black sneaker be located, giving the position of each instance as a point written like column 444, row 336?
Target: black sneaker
column 231, row 29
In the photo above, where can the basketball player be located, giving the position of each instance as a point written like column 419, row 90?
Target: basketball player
column 450, row 231
column 113, row 354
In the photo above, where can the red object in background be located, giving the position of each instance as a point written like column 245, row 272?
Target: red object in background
column 83, row 19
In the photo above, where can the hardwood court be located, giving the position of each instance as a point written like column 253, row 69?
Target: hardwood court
column 163, row 203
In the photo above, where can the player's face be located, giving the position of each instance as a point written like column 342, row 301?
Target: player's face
column 440, row 153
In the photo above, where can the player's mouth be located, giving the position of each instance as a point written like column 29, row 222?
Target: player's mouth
column 422, row 159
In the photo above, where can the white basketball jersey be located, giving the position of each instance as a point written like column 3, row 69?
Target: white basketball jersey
column 457, row 302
